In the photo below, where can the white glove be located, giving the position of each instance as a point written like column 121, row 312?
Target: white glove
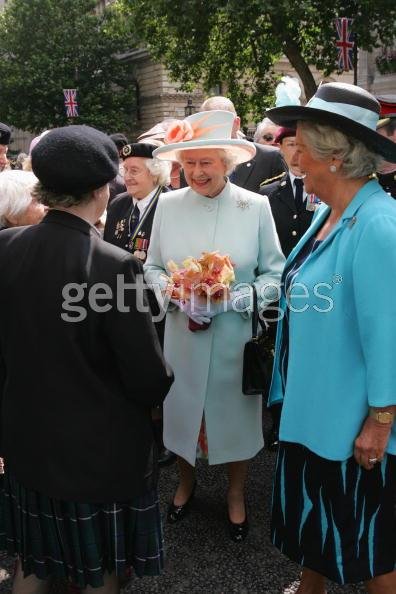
column 241, row 300
column 196, row 312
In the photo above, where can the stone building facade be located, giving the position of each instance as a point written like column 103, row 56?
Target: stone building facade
column 159, row 98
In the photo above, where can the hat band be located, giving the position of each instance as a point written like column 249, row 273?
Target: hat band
column 363, row 116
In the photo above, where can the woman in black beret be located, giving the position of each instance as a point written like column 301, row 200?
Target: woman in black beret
column 130, row 215
column 79, row 498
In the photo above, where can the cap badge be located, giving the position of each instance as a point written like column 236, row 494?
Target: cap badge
column 126, row 150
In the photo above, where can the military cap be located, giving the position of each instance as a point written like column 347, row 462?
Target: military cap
column 138, row 149
column 75, row 160
column 5, row 134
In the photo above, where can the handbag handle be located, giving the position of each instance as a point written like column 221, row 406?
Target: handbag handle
column 255, row 316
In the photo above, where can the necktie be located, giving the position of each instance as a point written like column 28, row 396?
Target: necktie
column 299, row 184
column 134, row 220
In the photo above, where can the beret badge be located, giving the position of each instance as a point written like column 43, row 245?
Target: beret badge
column 126, row 150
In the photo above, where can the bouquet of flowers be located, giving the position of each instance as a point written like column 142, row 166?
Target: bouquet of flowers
column 206, row 279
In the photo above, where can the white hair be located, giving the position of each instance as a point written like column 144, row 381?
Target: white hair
column 159, row 170
column 261, row 127
column 218, row 102
column 326, row 142
column 15, row 193
column 229, row 158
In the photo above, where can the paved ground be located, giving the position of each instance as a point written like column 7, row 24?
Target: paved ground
column 200, row 557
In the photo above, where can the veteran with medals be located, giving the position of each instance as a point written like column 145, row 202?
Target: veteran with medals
column 130, row 215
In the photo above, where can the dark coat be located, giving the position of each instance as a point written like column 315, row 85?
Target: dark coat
column 116, row 227
column 290, row 224
column 265, row 164
column 76, row 396
column 116, row 232
column 388, row 182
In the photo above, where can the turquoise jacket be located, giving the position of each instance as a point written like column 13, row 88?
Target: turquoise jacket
column 342, row 333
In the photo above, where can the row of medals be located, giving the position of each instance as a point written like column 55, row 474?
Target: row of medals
column 139, row 242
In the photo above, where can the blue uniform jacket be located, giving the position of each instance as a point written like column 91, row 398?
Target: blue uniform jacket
column 342, row 334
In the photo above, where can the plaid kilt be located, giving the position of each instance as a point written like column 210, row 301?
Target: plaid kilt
column 80, row 541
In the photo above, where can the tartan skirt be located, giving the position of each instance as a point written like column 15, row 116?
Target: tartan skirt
column 335, row 518
column 80, row 541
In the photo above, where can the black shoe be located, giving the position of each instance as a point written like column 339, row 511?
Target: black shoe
column 238, row 532
column 273, row 440
column 178, row 512
column 166, row 457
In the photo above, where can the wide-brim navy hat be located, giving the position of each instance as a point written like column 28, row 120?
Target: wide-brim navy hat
column 348, row 108
column 75, row 160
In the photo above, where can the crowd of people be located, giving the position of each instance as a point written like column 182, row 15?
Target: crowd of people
column 126, row 369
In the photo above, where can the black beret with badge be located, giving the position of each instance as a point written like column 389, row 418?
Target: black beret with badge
column 75, row 160
column 138, row 149
column 5, row 134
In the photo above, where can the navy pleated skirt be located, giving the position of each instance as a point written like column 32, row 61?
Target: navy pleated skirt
column 79, row 541
column 335, row 518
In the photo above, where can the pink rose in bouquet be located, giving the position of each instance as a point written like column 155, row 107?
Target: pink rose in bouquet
column 205, row 279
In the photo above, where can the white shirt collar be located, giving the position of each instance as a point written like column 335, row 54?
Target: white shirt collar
column 292, row 178
column 144, row 202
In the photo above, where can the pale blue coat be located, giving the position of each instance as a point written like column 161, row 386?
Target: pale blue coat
column 342, row 347
column 208, row 364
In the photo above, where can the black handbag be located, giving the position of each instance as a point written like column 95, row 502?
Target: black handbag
column 257, row 357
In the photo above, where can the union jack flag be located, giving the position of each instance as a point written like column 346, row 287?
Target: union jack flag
column 71, row 104
column 344, row 43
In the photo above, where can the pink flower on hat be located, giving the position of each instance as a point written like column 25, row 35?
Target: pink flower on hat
column 179, row 132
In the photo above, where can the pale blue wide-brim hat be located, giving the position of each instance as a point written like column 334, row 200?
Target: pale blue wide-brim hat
column 348, row 108
column 206, row 129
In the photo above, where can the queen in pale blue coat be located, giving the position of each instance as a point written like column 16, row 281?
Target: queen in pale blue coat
column 335, row 367
column 213, row 214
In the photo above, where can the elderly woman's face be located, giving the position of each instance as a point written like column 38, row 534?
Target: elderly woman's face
column 31, row 216
column 316, row 173
column 137, row 177
column 204, row 170
column 34, row 213
column 268, row 134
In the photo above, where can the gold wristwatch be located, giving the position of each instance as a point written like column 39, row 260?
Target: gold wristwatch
column 383, row 417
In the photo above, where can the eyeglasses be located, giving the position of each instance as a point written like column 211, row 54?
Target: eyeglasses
column 268, row 137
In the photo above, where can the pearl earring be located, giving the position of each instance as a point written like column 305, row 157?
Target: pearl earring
column 332, row 168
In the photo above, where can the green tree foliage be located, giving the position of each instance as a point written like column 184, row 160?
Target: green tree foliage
column 50, row 45
column 237, row 41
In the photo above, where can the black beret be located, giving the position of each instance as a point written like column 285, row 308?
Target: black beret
column 75, row 160
column 5, row 134
column 119, row 140
column 138, row 149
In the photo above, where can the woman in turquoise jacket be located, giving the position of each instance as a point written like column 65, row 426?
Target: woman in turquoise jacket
column 335, row 372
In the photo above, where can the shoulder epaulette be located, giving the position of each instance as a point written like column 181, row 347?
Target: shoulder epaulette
column 272, row 179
